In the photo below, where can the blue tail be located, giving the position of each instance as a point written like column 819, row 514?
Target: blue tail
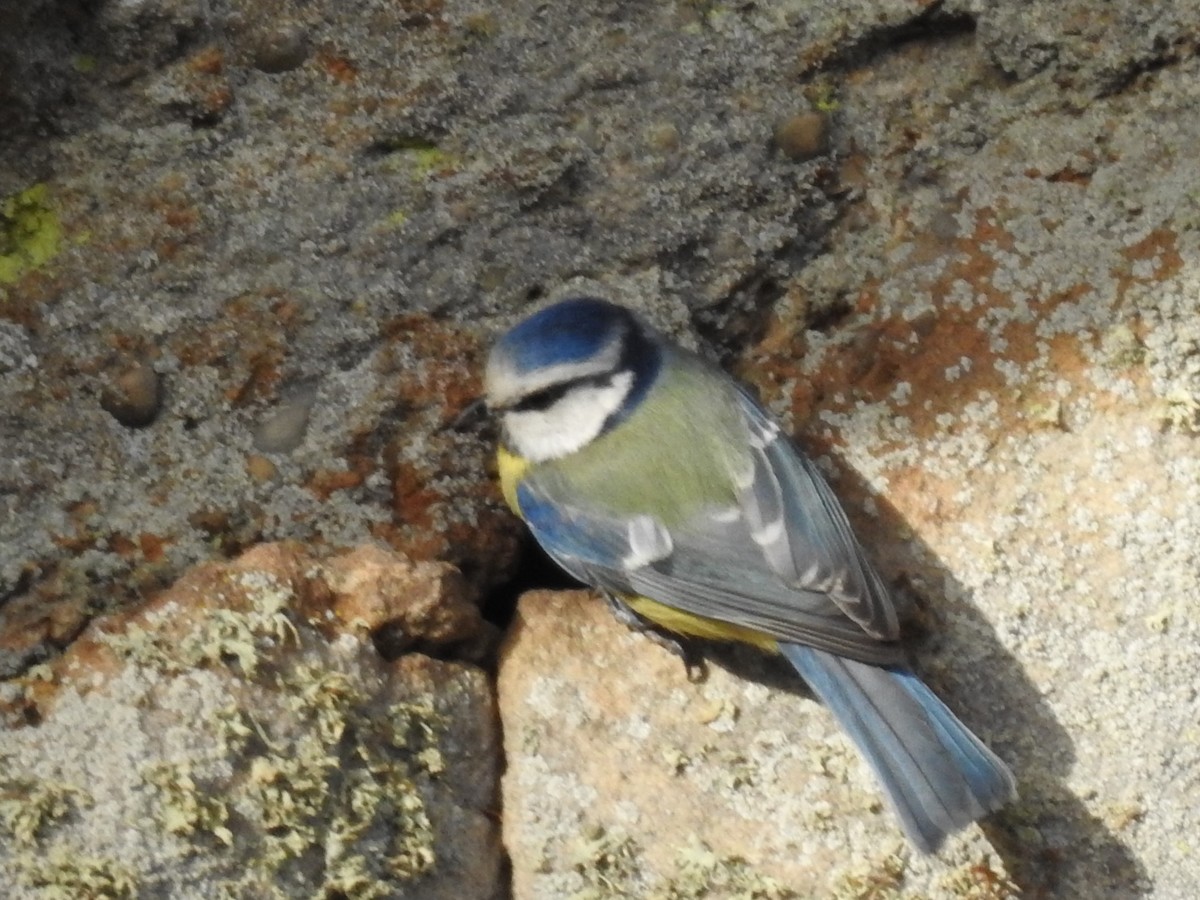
column 936, row 774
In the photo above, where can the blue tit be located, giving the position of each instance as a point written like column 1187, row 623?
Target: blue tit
column 647, row 472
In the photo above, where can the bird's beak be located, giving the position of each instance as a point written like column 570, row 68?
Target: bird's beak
column 473, row 413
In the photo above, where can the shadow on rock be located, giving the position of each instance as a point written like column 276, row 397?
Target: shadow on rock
column 1050, row 844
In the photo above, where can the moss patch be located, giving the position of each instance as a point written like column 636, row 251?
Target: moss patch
column 417, row 155
column 30, row 232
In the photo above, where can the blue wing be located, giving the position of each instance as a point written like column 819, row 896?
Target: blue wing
column 782, row 561
column 937, row 775
column 815, row 547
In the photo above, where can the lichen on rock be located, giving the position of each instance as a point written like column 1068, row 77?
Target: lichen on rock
column 218, row 744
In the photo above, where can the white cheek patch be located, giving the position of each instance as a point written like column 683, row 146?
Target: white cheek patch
column 537, row 435
column 568, row 425
column 649, row 542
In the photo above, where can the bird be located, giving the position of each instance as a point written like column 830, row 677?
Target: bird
column 650, row 474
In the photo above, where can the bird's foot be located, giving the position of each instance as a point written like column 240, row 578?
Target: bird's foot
column 693, row 662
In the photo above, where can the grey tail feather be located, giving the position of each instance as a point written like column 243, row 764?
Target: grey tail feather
column 938, row 777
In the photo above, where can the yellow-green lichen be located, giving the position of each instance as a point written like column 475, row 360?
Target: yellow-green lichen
column 412, row 725
column 702, row 873
column 65, row 874
column 290, row 792
column 395, row 219
column 417, row 155
column 1180, row 410
column 739, row 771
column 348, row 773
column 28, row 806
column 431, row 761
column 410, row 730
column 1121, row 348
column 1048, row 414
column 979, row 881
column 347, row 878
column 718, row 711
column 610, row 864
column 413, row 852
column 187, row 809
column 327, row 696
column 303, row 756
column 608, row 861
column 30, row 232
column 231, row 729
column 677, row 760
column 882, row 880
column 424, row 162
column 823, row 95
column 222, row 636
column 363, row 794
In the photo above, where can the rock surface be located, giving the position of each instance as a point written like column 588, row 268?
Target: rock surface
column 624, row 779
column 232, row 738
column 251, row 252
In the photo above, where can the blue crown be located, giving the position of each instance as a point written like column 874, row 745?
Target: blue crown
column 570, row 331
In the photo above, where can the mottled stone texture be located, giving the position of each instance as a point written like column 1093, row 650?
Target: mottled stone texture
column 611, row 751
column 236, row 738
column 252, row 251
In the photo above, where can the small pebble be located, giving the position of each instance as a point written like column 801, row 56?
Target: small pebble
column 663, row 137
column 283, row 430
column 133, row 396
column 279, row 49
column 260, row 468
column 803, row 136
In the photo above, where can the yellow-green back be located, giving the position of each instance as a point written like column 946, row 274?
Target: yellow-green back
column 673, row 455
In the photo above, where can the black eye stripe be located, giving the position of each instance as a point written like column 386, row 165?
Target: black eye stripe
column 542, row 400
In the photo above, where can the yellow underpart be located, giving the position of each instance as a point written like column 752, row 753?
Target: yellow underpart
column 512, row 470
column 686, row 623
